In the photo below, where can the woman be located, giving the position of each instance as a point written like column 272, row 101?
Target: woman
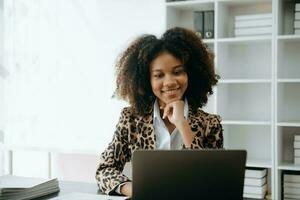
column 166, row 82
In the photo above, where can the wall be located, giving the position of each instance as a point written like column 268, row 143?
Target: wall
column 118, row 22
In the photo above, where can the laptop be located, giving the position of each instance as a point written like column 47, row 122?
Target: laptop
column 188, row 174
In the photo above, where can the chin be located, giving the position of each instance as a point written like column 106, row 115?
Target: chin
column 169, row 100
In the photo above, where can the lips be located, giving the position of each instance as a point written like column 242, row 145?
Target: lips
column 171, row 91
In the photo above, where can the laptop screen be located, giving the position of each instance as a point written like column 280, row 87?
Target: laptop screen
column 188, row 174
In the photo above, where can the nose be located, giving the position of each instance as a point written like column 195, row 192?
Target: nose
column 170, row 81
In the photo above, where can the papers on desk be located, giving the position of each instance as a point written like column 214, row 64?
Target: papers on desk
column 85, row 196
column 23, row 188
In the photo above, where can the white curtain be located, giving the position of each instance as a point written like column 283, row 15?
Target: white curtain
column 59, row 57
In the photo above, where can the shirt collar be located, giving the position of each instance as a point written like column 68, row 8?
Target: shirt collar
column 156, row 113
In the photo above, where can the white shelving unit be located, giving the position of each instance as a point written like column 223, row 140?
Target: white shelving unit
column 258, row 95
column 2, row 71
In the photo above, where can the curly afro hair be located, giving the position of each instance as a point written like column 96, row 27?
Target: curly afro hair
column 133, row 68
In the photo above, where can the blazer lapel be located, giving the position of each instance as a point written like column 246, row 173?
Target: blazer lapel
column 147, row 132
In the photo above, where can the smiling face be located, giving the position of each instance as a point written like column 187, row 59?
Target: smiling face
column 168, row 78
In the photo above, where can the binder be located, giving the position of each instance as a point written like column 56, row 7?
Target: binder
column 198, row 23
column 208, row 24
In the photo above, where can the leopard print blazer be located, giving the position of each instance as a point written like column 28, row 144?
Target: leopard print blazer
column 135, row 132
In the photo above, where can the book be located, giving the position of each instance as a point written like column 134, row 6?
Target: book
column 253, row 16
column 297, row 137
column 291, row 196
column 297, row 160
column 199, row 23
column 296, row 143
column 208, row 24
column 22, row 188
column 253, row 23
column 297, row 7
column 297, row 152
column 291, row 178
column 297, row 25
column 261, row 190
column 255, row 181
column 292, row 185
column 297, row 31
column 254, row 196
column 290, row 190
column 255, row 172
column 297, row 15
column 253, row 31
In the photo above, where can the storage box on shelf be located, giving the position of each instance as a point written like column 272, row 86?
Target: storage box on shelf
column 258, row 95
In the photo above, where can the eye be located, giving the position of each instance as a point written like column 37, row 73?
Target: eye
column 178, row 71
column 158, row 75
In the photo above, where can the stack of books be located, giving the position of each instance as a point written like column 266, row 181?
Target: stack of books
column 22, row 188
column 297, row 149
column 251, row 25
column 255, row 185
column 297, row 19
column 291, row 186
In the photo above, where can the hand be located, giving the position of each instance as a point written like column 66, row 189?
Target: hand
column 126, row 189
column 175, row 112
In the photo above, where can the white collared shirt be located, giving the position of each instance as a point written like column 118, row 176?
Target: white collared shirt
column 165, row 140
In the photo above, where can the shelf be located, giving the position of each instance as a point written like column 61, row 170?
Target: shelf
column 258, row 95
column 208, row 41
column 286, row 16
column 181, row 13
column 242, row 137
column 259, row 163
column 256, row 62
column 288, row 166
column 236, row 122
column 288, row 59
column 247, row 39
column 291, row 80
column 243, row 102
column 244, row 2
column 288, row 99
column 289, row 37
column 193, row 5
column 287, row 124
column 227, row 10
column 285, row 143
column 222, row 81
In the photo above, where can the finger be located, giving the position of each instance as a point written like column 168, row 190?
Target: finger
column 167, row 110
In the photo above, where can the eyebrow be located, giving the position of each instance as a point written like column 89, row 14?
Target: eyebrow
column 175, row 67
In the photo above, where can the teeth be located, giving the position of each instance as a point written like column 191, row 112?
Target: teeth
column 171, row 91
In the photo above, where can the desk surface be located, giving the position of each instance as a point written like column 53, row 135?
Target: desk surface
column 67, row 187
